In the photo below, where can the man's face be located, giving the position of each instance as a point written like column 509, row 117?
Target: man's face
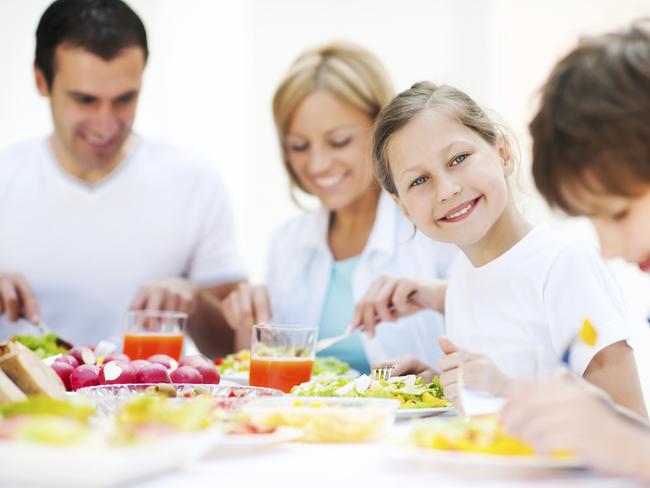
column 93, row 102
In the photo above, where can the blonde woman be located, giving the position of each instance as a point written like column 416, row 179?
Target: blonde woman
column 322, row 264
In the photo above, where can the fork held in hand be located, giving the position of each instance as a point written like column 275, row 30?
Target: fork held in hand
column 45, row 329
column 330, row 341
column 382, row 372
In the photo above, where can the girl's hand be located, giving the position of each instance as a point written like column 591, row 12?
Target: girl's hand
column 561, row 414
column 247, row 305
column 479, row 372
column 390, row 298
column 409, row 364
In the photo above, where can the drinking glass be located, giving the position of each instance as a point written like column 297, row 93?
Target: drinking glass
column 515, row 359
column 149, row 332
column 282, row 356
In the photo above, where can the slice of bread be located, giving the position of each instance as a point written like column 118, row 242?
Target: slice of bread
column 9, row 392
column 28, row 372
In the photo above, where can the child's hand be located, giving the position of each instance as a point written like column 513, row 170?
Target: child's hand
column 479, row 372
column 564, row 414
column 389, row 298
column 409, row 364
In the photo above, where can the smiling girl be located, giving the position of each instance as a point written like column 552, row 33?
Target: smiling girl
column 446, row 164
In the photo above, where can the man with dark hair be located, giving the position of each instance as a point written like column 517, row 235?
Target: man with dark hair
column 96, row 219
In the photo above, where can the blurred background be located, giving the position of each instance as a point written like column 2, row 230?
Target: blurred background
column 214, row 66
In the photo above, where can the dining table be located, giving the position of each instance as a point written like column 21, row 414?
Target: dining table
column 386, row 463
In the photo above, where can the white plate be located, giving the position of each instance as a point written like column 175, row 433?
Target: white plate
column 100, row 465
column 242, row 378
column 414, row 413
column 476, row 461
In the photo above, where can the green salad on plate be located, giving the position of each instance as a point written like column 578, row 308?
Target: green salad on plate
column 411, row 392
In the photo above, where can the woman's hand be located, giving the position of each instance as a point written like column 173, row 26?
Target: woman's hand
column 247, row 305
column 478, row 371
column 390, row 298
column 564, row 414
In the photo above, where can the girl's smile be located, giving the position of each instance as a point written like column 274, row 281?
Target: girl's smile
column 460, row 212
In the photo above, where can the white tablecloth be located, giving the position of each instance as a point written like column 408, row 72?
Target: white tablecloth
column 352, row 465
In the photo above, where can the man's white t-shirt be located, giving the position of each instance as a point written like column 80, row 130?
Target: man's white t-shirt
column 539, row 292
column 86, row 250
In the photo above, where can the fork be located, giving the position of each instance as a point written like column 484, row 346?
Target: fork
column 391, row 308
column 382, row 372
column 45, row 329
column 330, row 341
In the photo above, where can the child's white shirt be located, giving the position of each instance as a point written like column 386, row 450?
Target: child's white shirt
column 538, row 292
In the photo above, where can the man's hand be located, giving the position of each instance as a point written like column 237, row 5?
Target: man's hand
column 409, row 364
column 173, row 294
column 247, row 305
column 17, row 298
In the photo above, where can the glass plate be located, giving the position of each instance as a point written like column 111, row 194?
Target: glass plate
column 108, row 398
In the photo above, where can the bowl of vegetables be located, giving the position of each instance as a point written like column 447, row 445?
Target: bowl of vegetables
column 335, row 420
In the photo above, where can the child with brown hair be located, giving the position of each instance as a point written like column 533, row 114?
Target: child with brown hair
column 591, row 156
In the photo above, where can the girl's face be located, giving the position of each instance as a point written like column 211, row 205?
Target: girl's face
column 328, row 147
column 621, row 223
column 451, row 183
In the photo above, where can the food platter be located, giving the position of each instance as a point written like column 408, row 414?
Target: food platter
column 108, row 398
column 467, row 461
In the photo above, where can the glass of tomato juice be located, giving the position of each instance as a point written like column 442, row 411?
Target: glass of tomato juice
column 149, row 332
column 282, row 356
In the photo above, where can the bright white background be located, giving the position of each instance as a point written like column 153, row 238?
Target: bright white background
column 214, row 66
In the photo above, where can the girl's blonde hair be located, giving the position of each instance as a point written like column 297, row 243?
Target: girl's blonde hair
column 424, row 95
column 345, row 70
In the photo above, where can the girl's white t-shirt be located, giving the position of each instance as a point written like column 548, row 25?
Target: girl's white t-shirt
column 538, row 292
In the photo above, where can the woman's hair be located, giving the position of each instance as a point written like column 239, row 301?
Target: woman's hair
column 421, row 96
column 348, row 72
column 592, row 130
